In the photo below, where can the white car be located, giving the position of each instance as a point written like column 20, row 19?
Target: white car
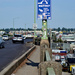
column 5, row 37
column 18, row 38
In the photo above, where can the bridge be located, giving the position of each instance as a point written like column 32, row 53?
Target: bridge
column 38, row 60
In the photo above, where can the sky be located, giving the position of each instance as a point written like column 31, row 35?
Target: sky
column 22, row 11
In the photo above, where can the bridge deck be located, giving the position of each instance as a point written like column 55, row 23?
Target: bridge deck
column 30, row 68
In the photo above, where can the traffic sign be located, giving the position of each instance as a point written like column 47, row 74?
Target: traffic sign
column 44, row 9
column 34, row 26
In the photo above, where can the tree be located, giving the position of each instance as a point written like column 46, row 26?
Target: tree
column 59, row 29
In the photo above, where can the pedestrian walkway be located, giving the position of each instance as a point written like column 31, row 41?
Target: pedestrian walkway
column 30, row 68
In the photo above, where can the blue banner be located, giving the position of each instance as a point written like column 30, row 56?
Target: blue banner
column 44, row 9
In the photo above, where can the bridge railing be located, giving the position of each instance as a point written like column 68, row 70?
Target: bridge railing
column 47, row 66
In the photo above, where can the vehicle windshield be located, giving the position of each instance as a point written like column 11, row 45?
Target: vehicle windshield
column 5, row 36
column 17, row 35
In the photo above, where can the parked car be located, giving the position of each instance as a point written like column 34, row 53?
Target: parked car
column 5, row 37
column 57, row 58
column 18, row 38
column 1, row 42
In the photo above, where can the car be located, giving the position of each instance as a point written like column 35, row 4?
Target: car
column 18, row 38
column 24, row 37
column 57, row 58
column 5, row 37
column 1, row 42
column 63, row 61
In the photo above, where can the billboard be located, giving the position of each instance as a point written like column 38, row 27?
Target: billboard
column 44, row 9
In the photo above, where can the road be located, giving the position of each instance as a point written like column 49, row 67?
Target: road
column 12, row 52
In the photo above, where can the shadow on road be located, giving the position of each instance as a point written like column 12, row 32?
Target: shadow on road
column 32, row 63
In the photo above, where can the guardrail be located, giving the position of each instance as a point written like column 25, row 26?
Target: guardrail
column 47, row 66
column 50, row 71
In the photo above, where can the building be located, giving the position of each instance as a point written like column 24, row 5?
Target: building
column 62, row 46
column 69, row 38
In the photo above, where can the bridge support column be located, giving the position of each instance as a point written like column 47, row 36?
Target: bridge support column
column 44, row 40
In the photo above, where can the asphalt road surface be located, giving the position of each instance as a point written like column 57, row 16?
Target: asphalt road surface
column 12, row 52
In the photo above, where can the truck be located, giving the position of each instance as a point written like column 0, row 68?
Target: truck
column 71, row 61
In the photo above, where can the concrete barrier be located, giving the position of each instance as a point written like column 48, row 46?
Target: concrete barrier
column 43, row 55
column 47, row 66
column 50, row 64
column 44, row 44
column 10, row 68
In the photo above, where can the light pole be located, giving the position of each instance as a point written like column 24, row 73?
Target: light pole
column 34, row 17
column 25, row 29
column 51, row 38
column 13, row 24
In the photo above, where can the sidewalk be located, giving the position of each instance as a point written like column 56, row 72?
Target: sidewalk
column 30, row 68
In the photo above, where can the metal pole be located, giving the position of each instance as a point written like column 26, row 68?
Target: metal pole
column 34, row 11
column 50, row 38
column 44, row 29
column 34, row 17
column 25, row 29
column 13, row 26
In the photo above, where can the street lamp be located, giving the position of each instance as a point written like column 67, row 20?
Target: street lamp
column 25, row 29
column 13, row 23
column 34, row 17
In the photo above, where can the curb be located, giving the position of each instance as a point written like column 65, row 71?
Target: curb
column 9, row 69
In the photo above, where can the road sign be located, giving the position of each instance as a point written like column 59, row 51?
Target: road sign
column 44, row 9
column 34, row 26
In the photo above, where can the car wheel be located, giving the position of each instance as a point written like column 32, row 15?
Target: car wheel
column 1, row 46
column 13, row 41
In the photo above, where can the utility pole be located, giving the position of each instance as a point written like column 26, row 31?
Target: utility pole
column 25, row 29
column 34, row 17
column 50, row 38
column 13, row 26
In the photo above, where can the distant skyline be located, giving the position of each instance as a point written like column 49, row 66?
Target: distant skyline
column 63, row 14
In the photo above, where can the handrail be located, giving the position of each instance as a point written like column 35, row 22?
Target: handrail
column 47, row 56
column 50, row 71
